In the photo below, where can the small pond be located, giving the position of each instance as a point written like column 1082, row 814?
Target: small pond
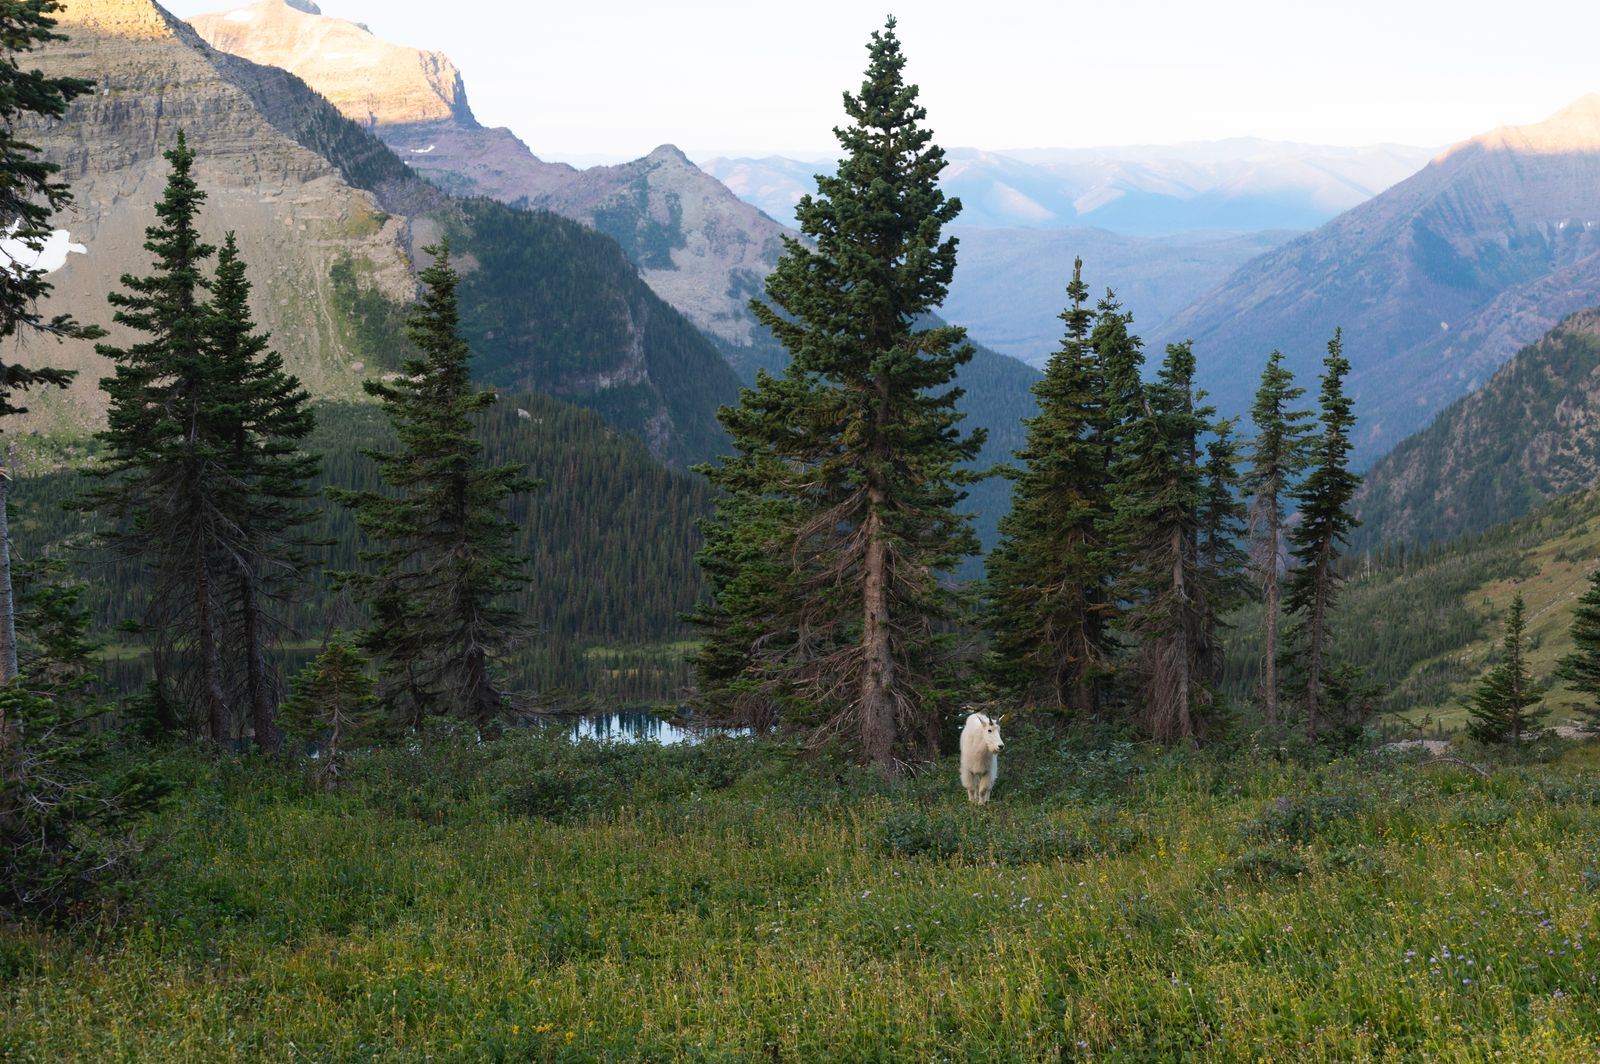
column 637, row 726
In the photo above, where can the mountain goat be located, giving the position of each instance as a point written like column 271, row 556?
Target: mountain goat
column 980, row 756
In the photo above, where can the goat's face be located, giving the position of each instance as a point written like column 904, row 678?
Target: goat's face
column 991, row 735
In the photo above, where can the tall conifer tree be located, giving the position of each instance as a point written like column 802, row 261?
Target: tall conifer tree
column 1325, row 523
column 166, row 459
column 1221, row 562
column 1159, row 495
column 861, row 437
column 1048, row 577
column 445, row 568
column 263, row 416
column 29, row 195
column 1277, row 458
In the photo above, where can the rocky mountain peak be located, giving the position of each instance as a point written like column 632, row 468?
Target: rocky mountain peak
column 122, row 18
column 1573, row 129
column 369, row 80
column 668, row 154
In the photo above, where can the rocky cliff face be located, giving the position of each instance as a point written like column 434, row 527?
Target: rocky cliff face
column 696, row 245
column 369, row 80
column 331, row 223
column 1531, row 433
column 293, row 212
column 1436, row 282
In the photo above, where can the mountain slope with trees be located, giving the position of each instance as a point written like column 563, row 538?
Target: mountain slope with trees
column 330, row 219
column 1531, row 433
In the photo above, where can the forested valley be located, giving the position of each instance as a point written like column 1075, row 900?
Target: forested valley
column 293, row 689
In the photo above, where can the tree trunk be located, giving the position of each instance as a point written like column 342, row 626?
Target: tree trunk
column 8, row 602
column 1314, row 623
column 1269, row 665
column 213, row 700
column 257, row 676
column 877, row 708
column 1184, row 722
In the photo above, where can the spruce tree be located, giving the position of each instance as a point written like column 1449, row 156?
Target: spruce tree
column 444, row 566
column 1324, row 499
column 1048, row 576
column 1159, row 494
column 166, row 465
column 264, row 417
column 1501, row 707
column 1581, row 668
column 1277, row 458
column 1221, row 562
column 29, row 194
column 334, row 702
column 861, row 437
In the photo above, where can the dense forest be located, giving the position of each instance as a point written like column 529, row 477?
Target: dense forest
column 610, row 538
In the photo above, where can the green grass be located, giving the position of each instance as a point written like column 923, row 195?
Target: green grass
column 531, row 900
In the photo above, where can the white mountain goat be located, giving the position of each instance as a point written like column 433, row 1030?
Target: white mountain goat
column 980, row 756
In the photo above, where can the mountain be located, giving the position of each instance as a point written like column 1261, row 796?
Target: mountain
column 1238, row 184
column 1436, row 282
column 1010, row 284
column 331, row 223
column 694, row 243
column 1531, row 433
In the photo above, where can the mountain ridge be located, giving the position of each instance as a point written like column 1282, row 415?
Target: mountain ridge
column 278, row 161
column 1436, row 281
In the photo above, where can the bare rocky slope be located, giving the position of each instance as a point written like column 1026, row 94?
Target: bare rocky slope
column 1436, row 282
column 331, row 224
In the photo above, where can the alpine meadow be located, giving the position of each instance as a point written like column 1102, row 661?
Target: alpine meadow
column 465, row 604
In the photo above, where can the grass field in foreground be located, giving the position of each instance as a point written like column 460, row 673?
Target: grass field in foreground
column 530, row 900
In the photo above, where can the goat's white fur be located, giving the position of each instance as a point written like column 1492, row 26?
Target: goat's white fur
column 980, row 756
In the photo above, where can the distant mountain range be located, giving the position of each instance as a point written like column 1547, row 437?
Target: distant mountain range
column 1010, row 283
column 1436, row 282
column 1236, row 185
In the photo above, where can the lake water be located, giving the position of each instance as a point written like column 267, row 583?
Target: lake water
column 636, row 727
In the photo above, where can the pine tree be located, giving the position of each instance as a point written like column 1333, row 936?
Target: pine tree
column 1277, row 458
column 1048, row 576
column 29, row 195
column 1159, row 492
column 1501, row 706
column 1581, row 668
column 1221, row 562
column 164, row 477
column 861, row 437
column 444, row 564
column 1324, row 500
column 264, row 418
column 334, row 702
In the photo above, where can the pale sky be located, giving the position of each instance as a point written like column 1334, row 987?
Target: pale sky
column 588, row 80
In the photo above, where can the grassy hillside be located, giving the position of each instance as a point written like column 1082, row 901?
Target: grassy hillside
column 531, row 900
column 1427, row 623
